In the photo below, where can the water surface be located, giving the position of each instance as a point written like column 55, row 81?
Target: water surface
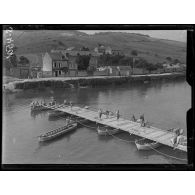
column 164, row 103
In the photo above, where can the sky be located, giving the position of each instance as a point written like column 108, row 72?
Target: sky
column 176, row 35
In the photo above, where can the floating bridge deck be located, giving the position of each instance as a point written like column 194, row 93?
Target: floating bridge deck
column 162, row 136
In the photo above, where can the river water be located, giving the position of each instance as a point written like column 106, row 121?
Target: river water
column 164, row 104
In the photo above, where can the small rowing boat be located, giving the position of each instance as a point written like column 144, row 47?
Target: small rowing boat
column 38, row 108
column 107, row 131
column 57, row 132
column 146, row 144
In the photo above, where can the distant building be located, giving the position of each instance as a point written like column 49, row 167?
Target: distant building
column 117, row 52
column 65, row 62
column 174, row 67
column 108, row 50
column 101, row 49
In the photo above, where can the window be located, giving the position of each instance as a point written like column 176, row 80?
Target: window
column 60, row 72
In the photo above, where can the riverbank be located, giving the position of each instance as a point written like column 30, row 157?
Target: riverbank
column 75, row 82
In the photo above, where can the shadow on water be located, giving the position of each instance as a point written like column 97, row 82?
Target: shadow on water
column 104, row 138
column 121, row 136
column 36, row 113
column 56, row 118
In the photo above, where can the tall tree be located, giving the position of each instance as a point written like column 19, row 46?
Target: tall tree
column 24, row 60
column 13, row 60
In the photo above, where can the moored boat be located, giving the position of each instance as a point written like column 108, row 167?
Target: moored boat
column 107, row 131
column 38, row 108
column 102, row 131
column 57, row 132
column 146, row 144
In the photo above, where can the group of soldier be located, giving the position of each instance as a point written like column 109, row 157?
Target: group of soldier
column 107, row 113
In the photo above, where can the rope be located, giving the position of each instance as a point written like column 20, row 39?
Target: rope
column 87, row 125
column 168, row 155
column 173, row 157
column 123, row 139
column 131, row 141
column 152, row 149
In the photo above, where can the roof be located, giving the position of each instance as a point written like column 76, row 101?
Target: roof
column 57, row 56
column 75, row 53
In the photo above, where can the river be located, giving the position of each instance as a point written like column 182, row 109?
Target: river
column 164, row 104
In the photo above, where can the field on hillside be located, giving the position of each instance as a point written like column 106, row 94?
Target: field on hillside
column 152, row 49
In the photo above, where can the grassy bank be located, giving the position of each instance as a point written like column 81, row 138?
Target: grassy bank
column 65, row 82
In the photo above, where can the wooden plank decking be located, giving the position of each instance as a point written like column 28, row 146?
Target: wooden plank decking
column 152, row 133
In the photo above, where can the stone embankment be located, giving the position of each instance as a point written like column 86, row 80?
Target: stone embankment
column 75, row 82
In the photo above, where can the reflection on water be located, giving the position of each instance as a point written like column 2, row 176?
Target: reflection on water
column 164, row 104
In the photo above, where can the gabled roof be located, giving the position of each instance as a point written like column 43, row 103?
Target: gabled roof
column 57, row 56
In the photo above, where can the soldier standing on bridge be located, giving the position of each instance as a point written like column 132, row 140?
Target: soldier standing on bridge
column 71, row 105
column 65, row 102
column 117, row 114
column 100, row 113
column 133, row 118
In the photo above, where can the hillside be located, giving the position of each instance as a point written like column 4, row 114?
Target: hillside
column 152, row 49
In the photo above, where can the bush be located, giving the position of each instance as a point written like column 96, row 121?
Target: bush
column 134, row 53
column 169, row 59
column 24, row 60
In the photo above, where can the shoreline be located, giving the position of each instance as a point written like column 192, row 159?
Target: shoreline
column 76, row 82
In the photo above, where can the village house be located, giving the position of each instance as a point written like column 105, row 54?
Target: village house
column 60, row 63
column 55, row 64
column 73, row 57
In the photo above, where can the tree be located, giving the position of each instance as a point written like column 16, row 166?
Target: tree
column 134, row 53
column 13, row 60
column 169, row 59
column 7, row 64
column 83, row 62
column 24, row 60
column 176, row 61
column 84, row 48
column 151, row 67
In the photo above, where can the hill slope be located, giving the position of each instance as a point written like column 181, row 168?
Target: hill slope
column 152, row 49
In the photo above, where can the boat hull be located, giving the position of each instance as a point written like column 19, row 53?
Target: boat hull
column 57, row 134
column 107, row 132
column 39, row 108
column 147, row 146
